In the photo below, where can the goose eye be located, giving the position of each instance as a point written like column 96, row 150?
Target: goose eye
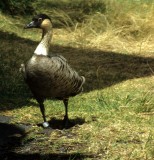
column 40, row 20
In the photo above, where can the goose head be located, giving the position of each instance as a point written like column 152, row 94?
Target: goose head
column 41, row 21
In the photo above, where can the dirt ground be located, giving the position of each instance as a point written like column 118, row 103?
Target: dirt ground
column 12, row 146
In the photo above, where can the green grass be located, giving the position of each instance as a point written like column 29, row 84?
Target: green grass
column 114, row 115
column 115, row 126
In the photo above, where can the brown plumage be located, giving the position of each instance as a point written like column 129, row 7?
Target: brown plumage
column 50, row 76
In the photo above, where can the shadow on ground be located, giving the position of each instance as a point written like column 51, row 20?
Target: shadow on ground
column 13, row 147
column 10, row 137
column 59, row 124
column 9, row 103
column 101, row 69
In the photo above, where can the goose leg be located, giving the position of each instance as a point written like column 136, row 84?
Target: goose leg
column 45, row 123
column 66, row 120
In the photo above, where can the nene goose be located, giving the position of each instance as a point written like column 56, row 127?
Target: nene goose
column 50, row 76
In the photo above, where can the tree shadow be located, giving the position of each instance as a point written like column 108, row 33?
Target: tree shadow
column 101, row 69
column 14, row 102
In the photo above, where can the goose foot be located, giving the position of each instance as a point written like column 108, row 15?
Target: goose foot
column 45, row 124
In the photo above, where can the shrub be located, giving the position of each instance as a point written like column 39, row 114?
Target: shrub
column 15, row 7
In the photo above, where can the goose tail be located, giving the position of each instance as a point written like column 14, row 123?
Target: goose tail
column 83, row 80
column 81, row 86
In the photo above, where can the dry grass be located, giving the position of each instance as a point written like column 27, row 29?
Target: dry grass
column 120, row 29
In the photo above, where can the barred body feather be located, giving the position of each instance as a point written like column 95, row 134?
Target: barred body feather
column 52, row 77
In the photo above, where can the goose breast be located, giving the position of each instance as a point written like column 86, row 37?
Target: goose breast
column 52, row 77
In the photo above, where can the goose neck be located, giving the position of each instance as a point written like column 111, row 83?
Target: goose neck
column 44, row 45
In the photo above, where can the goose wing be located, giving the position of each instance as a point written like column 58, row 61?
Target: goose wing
column 52, row 77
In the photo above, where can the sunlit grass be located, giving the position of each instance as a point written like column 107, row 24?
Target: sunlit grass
column 117, row 122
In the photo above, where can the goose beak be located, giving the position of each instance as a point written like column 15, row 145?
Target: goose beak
column 30, row 25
